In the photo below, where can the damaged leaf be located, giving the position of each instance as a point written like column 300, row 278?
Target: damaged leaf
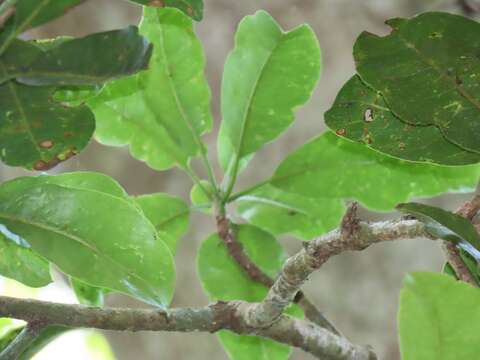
column 37, row 132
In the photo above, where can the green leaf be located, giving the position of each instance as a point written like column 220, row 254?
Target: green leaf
column 361, row 114
column 200, row 198
column 32, row 13
column 446, row 225
column 193, row 8
column 45, row 337
column 86, row 225
column 169, row 214
column 438, row 318
column 280, row 212
column 37, row 132
column 9, row 331
column 267, row 76
column 331, row 167
column 90, row 60
column 21, row 263
column 87, row 294
column 216, row 269
column 428, row 70
column 161, row 113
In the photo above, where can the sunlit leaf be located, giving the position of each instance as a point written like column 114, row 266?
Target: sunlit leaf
column 22, row 264
column 193, row 8
column 280, row 212
column 88, row 227
column 438, row 318
column 331, row 167
column 267, row 76
column 169, row 214
column 161, row 113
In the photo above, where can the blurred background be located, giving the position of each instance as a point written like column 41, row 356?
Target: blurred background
column 359, row 291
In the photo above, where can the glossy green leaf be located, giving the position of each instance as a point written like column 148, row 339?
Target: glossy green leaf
column 87, row 294
column 86, row 225
column 32, row 13
column 280, row 212
column 331, row 167
column 267, row 76
column 438, row 318
column 445, row 225
column 193, row 8
column 169, row 214
column 361, row 114
column 37, row 132
column 428, row 70
column 21, row 263
column 161, row 113
column 216, row 268
column 90, row 60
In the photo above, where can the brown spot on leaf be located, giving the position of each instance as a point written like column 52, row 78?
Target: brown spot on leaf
column 67, row 134
column 189, row 11
column 341, row 132
column 46, row 144
column 401, row 146
column 42, row 165
column 156, row 3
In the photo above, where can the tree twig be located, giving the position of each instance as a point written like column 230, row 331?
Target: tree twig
column 450, row 250
column 316, row 252
column 221, row 315
column 467, row 8
column 235, row 250
column 22, row 341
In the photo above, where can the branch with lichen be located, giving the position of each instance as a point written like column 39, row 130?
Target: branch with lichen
column 265, row 319
column 219, row 316
column 235, row 250
column 353, row 235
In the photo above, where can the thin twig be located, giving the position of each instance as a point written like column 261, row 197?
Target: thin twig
column 22, row 341
column 316, row 252
column 467, row 8
column 450, row 250
column 235, row 250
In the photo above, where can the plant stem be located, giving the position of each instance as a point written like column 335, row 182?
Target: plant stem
column 21, row 342
column 246, row 191
column 6, row 10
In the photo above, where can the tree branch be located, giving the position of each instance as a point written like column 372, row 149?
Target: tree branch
column 22, row 341
column 235, row 250
column 353, row 235
column 467, row 8
column 221, row 315
column 450, row 250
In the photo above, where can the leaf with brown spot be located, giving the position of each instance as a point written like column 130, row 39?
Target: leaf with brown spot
column 428, row 72
column 361, row 114
column 33, row 127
